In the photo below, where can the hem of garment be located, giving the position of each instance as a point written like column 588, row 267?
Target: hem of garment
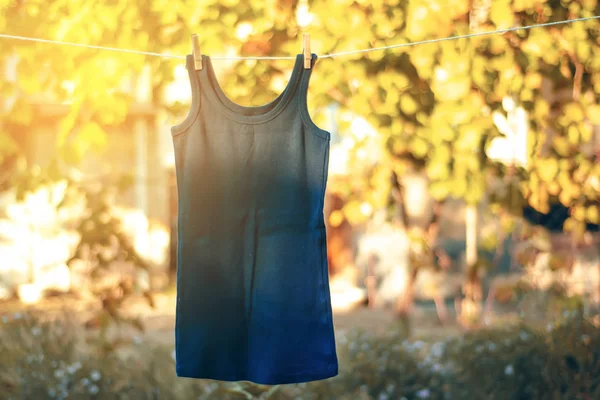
column 273, row 379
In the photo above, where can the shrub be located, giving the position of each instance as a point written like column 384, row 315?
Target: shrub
column 47, row 358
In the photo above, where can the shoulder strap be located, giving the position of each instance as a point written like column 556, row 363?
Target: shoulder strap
column 196, row 97
column 303, row 99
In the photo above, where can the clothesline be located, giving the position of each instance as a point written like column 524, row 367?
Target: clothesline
column 331, row 55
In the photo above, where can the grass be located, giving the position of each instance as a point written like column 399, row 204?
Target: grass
column 49, row 356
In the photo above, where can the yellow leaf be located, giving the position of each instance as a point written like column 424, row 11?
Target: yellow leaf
column 439, row 190
column 533, row 80
column 352, row 211
column 542, row 108
column 579, row 213
column 593, row 114
column 419, row 147
column 501, row 14
column 437, row 170
column 92, row 135
column 459, row 187
column 592, row 214
column 336, row 218
column 561, row 145
column 586, row 132
column 554, row 188
column 568, row 194
column 573, row 134
column 408, row 104
column 573, row 112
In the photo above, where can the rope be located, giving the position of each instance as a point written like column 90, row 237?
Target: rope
column 163, row 55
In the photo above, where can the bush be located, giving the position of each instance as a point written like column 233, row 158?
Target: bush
column 44, row 358
column 373, row 367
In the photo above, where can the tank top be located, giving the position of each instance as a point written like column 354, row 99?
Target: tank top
column 253, row 295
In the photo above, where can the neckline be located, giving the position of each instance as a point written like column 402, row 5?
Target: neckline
column 247, row 114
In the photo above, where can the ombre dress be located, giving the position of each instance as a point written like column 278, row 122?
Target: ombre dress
column 253, row 297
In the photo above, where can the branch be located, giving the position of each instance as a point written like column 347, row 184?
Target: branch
column 578, row 66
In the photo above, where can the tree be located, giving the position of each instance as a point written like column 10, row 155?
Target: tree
column 433, row 103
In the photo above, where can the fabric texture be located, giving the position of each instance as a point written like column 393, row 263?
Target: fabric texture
column 253, row 295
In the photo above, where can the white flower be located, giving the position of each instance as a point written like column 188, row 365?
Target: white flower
column 73, row 367
column 437, row 349
column 509, row 370
column 423, row 394
column 95, row 375
column 36, row 330
column 93, row 389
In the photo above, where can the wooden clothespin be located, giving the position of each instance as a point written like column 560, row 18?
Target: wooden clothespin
column 196, row 52
column 306, row 50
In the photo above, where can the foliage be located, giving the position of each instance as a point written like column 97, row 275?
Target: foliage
column 434, row 104
column 50, row 357
column 44, row 358
column 102, row 242
column 88, row 210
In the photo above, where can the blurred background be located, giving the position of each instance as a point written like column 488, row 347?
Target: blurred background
column 462, row 206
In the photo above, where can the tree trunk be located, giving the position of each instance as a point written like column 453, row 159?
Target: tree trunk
column 405, row 302
column 472, row 289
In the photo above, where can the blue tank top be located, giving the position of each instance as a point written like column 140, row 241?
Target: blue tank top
column 253, row 296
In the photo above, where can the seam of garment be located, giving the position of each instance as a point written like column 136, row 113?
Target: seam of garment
column 180, row 129
column 322, row 229
column 304, row 114
column 179, row 287
column 325, row 270
column 286, row 95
